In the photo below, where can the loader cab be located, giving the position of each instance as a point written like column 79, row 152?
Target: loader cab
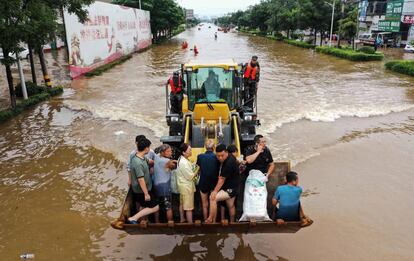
column 212, row 108
column 207, row 85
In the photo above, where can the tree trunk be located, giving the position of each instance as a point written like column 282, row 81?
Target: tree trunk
column 32, row 68
column 321, row 40
column 44, row 68
column 64, row 34
column 9, row 79
column 315, row 35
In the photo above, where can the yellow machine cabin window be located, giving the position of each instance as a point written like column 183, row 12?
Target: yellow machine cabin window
column 210, row 85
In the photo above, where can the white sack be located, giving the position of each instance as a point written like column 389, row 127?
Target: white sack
column 255, row 197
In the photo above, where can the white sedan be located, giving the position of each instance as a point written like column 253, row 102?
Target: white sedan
column 409, row 48
column 24, row 54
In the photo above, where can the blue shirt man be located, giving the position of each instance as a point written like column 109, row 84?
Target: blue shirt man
column 209, row 165
column 209, row 171
column 288, row 198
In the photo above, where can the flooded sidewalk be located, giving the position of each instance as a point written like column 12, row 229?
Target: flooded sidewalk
column 57, row 65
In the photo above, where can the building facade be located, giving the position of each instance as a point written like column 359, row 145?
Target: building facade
column 393, row 18
column 407, row 19
column 189, row 14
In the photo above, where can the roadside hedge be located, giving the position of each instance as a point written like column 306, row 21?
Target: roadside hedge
column 291, row 41
column 103, row 68
column 350, row 54
column 276, row 37
column 299, row 43
column 178, row 30
column 31, row 88
column 254, row 31
column 26, row 104
column 401, row 66
column 366, row 49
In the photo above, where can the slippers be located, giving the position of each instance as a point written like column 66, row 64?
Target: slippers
column 132, row 222
column 306, row 222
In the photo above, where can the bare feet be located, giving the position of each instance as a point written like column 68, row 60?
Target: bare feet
column 183, row 221
column 208, row 220
column 280, row 221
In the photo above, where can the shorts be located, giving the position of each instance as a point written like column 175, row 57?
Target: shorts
column 165, row 202
column 207, row 187
column 187, row 201
column 140, row 198
column 222, row 204
column 205, row 190
column 232, row 192
column 289, row 214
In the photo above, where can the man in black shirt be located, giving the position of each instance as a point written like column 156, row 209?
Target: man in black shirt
column 259, row 157
column 227, row 185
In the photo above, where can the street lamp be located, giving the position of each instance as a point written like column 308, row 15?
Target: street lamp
column 332, row 20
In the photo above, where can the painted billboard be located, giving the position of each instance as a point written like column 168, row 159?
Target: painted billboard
column 110, row 32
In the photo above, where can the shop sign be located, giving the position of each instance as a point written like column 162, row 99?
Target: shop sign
column 394, row 9
column 392, row 20
column 389, row 25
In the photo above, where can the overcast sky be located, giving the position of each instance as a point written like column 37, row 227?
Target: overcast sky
column 216, row 7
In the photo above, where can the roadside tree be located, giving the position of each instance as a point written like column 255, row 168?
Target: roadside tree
column 33, row 22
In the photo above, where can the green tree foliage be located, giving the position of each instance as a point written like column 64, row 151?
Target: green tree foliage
column 348, row 25
column 315, row 15
column 193, row 22
column 166, row 15
column 32, row 22
column 259, row 14
column 285, row 17
column 278, row 16
column 239, row 18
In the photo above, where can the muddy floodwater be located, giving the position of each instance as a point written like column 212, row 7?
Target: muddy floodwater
column 347, row 128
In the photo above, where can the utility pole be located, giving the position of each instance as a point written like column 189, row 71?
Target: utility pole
column 357, row 28
column 342, row 17
column 332, row 20
column 140, row 4
column 22, row 80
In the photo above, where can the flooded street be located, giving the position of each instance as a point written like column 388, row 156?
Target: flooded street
column 347, row 127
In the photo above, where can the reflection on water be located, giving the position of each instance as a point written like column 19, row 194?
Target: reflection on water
column 214, row 247
column 117, row 245
column 52, row 189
